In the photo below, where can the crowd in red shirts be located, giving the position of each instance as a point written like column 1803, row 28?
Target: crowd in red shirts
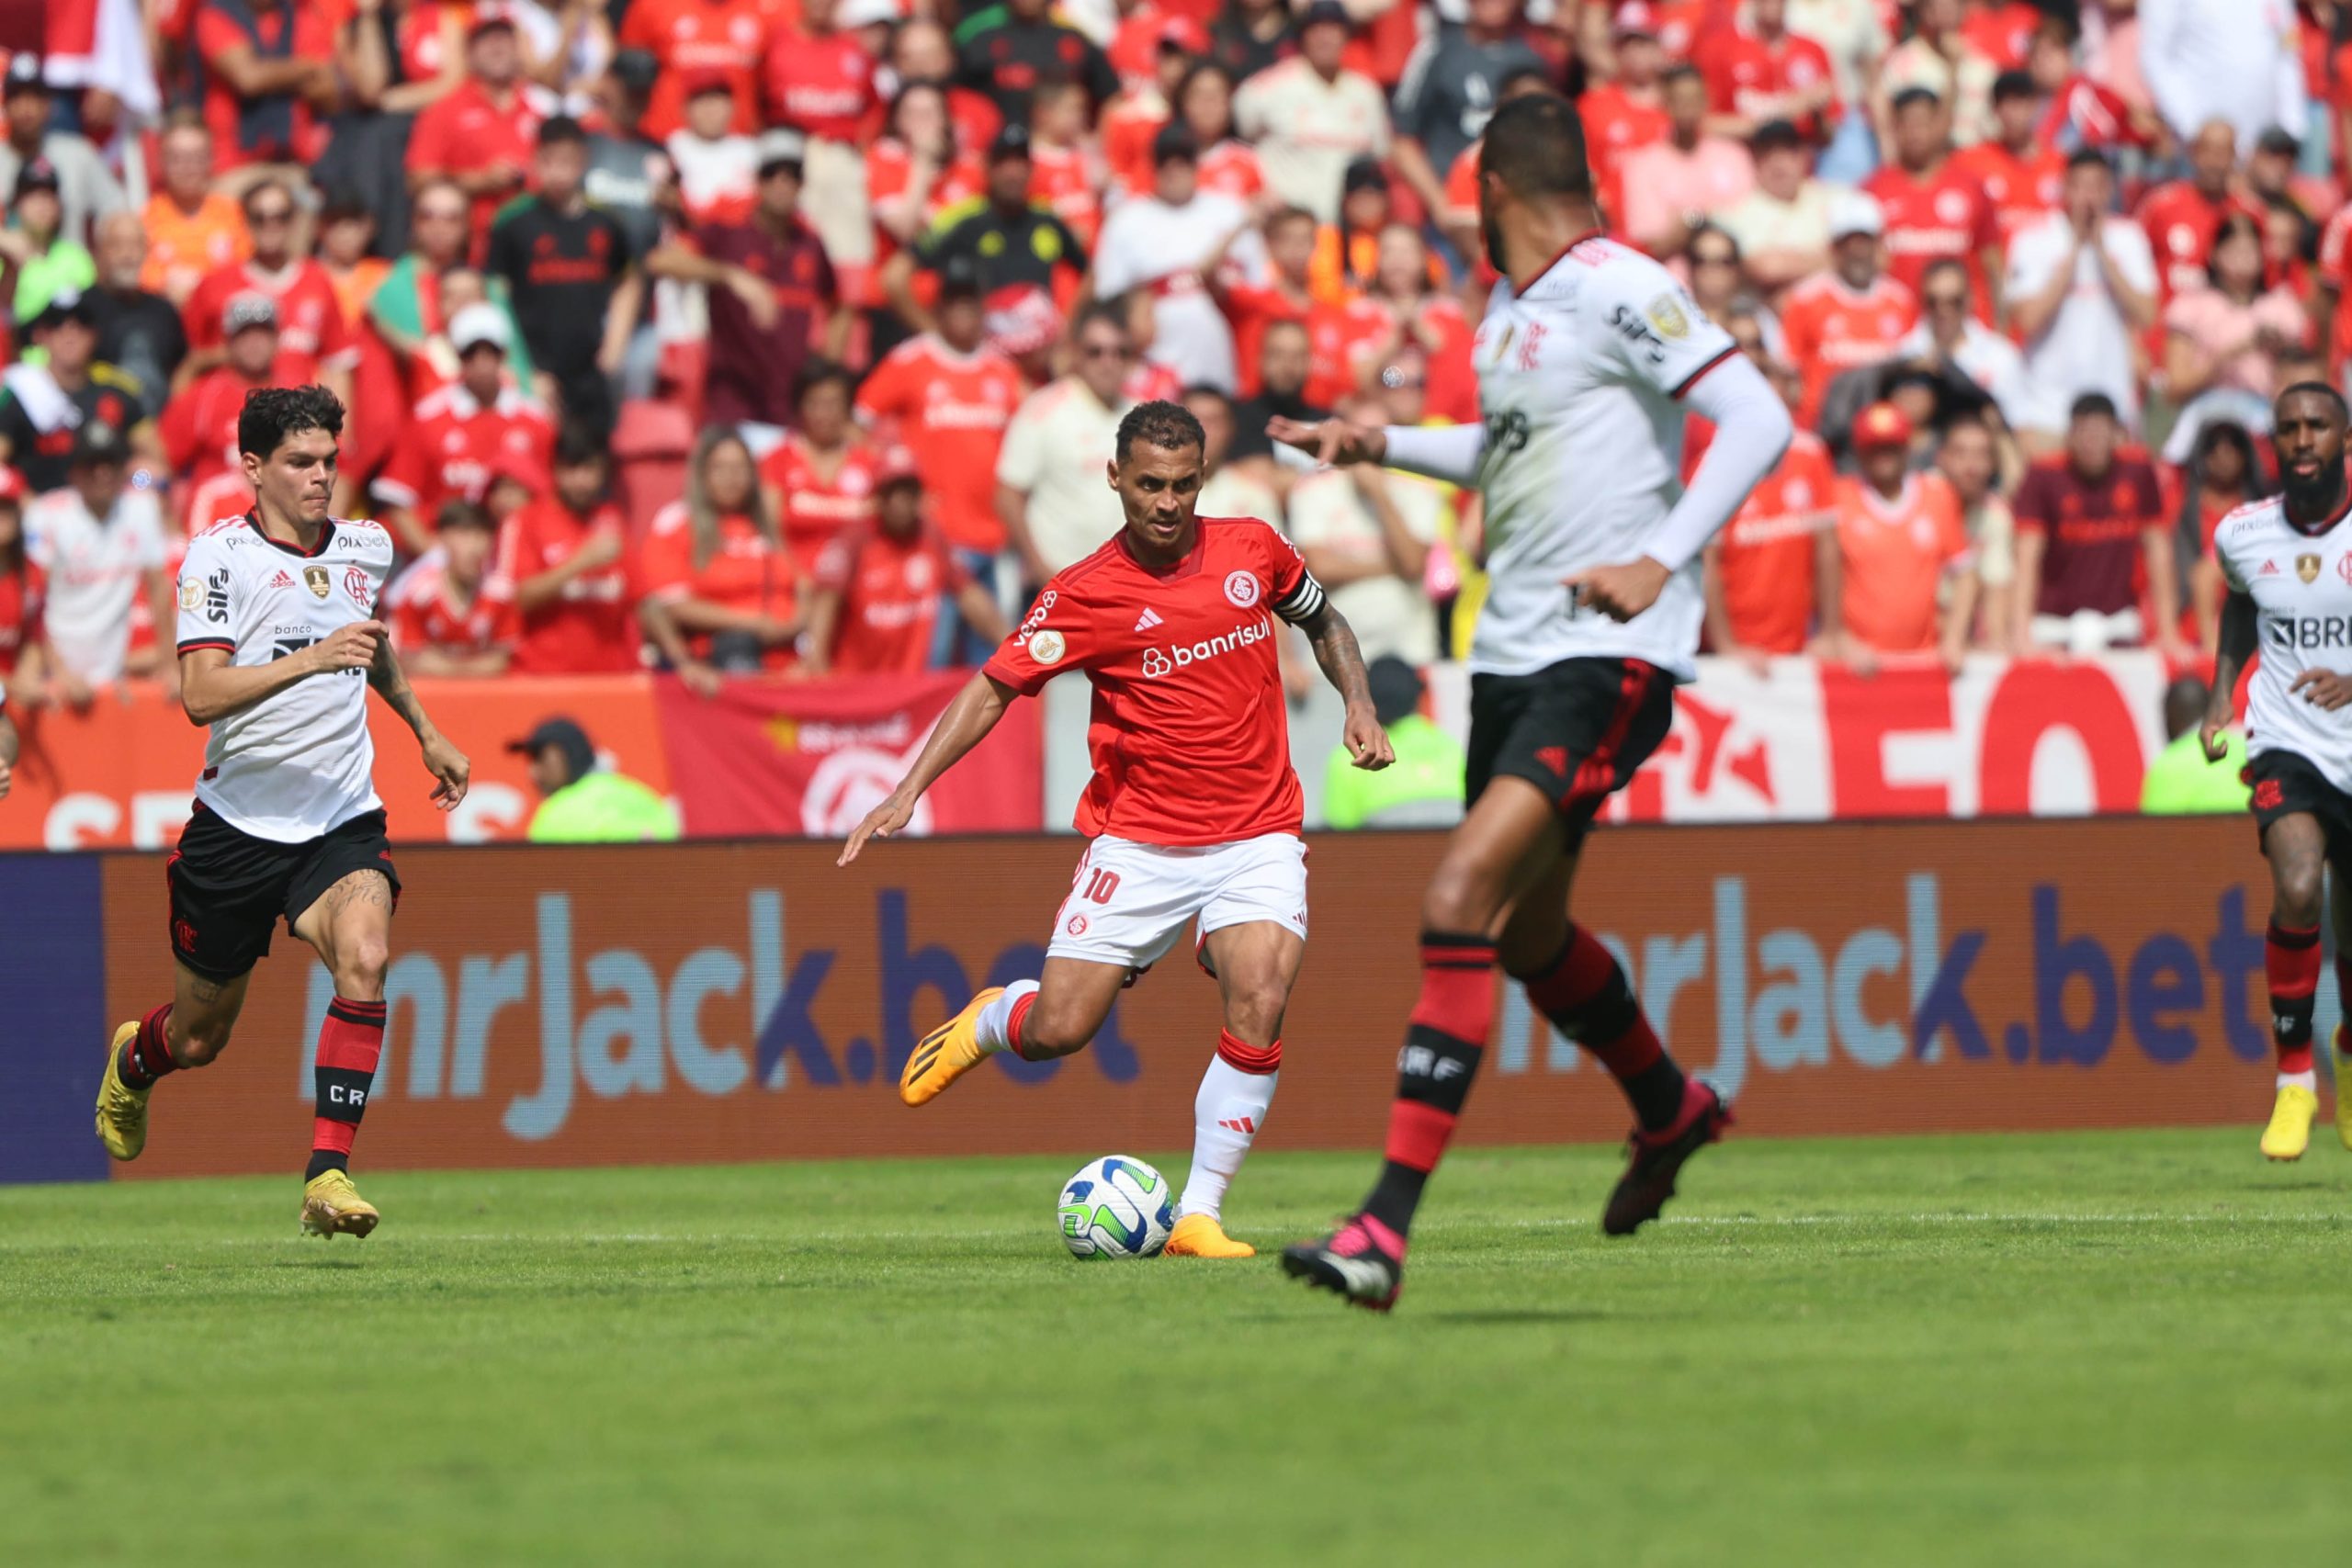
column 790, row 336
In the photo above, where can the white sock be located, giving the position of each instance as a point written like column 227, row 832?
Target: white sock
column 996, row 1019
column 2309, row 1079
column 1226, row 1114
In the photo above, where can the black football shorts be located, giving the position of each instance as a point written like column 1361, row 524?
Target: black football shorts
column 1577, row 730
column 229, row 889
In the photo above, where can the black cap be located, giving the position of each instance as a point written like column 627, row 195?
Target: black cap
column 566, row 736
column 25, row 75
column 1013, row 142
column 65, row 305
column 1775, row 134
column 98, row 442
column 38, row 173
column 1396, row 688
column 556, row 130
column 959, row 278
column 1324, row 11
column 2014, row 84
column 1363, row 173
column 2280, row 142
column 636, row 69
column 1175, row 144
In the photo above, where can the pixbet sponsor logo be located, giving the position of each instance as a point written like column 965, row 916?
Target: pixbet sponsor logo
column 1158, row 662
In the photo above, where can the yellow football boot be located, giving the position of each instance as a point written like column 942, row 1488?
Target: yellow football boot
column 331, row 1204
column 2289, row 1131
column 122, row 1110
column 946, row 1053
column 2342, row 1089
column 1199, row 1235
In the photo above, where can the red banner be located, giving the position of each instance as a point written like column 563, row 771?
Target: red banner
column 811, row 758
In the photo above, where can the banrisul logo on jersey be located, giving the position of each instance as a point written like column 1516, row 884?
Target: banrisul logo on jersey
column 1158, row 662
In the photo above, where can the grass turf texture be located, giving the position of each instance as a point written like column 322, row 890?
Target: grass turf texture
column 2119, row 1348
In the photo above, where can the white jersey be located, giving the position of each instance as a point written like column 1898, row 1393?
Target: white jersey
column 97, row 572
column 1583, row 457
column 293, row 767
column 2302, row 587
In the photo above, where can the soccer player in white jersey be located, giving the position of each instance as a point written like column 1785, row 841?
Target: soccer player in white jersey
column 278, row 647
column 1589, row 356
column 2288, row 561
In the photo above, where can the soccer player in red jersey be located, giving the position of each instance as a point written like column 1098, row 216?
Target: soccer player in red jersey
column 1193, row 811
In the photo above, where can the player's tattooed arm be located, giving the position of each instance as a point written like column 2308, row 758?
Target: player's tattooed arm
column 965, row 725
column 450, row 769
column 1334, row 642
column 2239, row 632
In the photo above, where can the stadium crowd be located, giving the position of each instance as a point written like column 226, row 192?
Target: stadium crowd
column 790, row 336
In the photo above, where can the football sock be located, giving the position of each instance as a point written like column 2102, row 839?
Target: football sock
column 2291, row 961
column 147, row 1056
column 1583, row 992
column 2343, row 980
column 1235, row 1093
column 995, row 1025
column 350, row 1041
column 1442, row 1046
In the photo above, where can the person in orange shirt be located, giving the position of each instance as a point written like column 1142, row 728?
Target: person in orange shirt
column 1852, row 314
column 192, row 228
column 714, row 574
column 1909, row 571
column 1776, row 562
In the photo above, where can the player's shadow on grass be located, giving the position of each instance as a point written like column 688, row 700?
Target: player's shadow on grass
column 1512, row 1317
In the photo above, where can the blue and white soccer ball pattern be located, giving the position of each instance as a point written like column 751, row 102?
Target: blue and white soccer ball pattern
column 1117, row 1207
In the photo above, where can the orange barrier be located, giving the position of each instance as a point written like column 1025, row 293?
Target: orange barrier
column 734, row 1002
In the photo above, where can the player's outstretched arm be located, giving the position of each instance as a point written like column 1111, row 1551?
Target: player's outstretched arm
column 451, row 773
column 213, row 689
column 2239, row 631
column 965, row 725
column 1334, row 642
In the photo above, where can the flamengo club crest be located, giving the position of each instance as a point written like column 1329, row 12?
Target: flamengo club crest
column 315, row 578
column 2307, row 568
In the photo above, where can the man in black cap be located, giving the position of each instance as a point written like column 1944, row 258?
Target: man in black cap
column 1022, row 44
column 1005, row 240
column 85, row 185
column 772, row 283
column 571, row 276
column 581, row 804
column 42, row 405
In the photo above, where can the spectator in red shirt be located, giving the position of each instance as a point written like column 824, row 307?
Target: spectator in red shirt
column 1934, row 209
column 1284, row 295
column 22, row 585
column 1625, row 115
column 879, row 587
column 482, row 136
column 464, row 432
column 563, row 554
column 692, row 38
column 199, row 425
column 717, row 579
column 772, row 284
column 2088, row 522
column 821, row 477
column 2022, row 178
column 1763, row 72
column 267, row 71
column 821, row 83
column 451, row 615
column 2183, row 217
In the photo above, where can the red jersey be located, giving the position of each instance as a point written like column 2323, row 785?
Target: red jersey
column 822, row 86
column 2182, row 223
column 198, row 427
column 1616, row 124
column 891, row 588
column 1068, row 181
column 1230, row 168
column 745, row 573
column 295, row 137
column 1832, row 329
column 1946, row 216
column 1127, row 126
column 1151, row 382
column 427, row 611
column 1768, row 550
column 312, row 333
column 697, row 37
column 1252, row 308
column 821, row 498
column 1189, row 731
column 468, row 133
column 889, row 177
column 590, row 627
column 2002, row 31
column 2022, row 190
column 21, row 594
column 1753, row 77
column 951, row 410
column 2336, row 272
column 455, row 446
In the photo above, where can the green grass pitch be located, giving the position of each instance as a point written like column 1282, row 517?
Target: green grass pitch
column 2103, row 1349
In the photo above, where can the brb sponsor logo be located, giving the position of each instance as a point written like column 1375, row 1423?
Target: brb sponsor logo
column 1158, row 663
column 738, row 1016
column 2025, row 990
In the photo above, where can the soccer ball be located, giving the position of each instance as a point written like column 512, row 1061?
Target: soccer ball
column 1116, row 1207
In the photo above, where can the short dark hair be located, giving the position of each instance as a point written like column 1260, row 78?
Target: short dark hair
column 1949, row 264
column 1169, row 427
column 2011, row 84
column 577, row 444
column 1685, row 71
column 1292, row 214
column 561, row 129
column 459, row 513
column 1913, row 95
column 819, row 372
column 273, row 414
column 2085, row 157
column 2319, row 388
column 2094, row 405
column 1101, row 313
column 254, row 193
column 1535, row 147
column 1207, row 389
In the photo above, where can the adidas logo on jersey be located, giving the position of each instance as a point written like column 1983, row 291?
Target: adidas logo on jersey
column 281, row 580
column 1148, row 620
column 2269, row 569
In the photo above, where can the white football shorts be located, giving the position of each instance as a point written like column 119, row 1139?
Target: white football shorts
column 1130, row 901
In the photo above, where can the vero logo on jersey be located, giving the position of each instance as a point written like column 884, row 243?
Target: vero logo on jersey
column 1158, row 662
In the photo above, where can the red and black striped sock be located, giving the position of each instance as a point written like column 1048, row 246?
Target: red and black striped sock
column 2291, row 962
column 1443, row 1046
column 1583, row 992
column 1014, row 1020
column 147, row 1056
column 350, row 1041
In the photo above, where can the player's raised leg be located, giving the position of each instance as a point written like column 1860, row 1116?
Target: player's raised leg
column 189, row 1031
column 350, row 925
column 1256, row 964
column 1579, row 985
column 1054, row 1015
